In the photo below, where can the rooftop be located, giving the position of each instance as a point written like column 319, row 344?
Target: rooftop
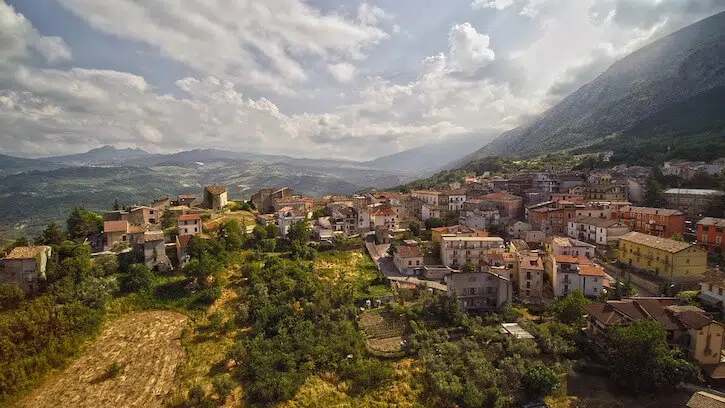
column 427, row 192
column 153, row 236
column 216, row 190
column 384, row 212
column 710, row 221
column 189, row 217
column 515, row 330
column 409, row 251
column 591, row 270
column 653, row 211
column 664, row 244
column 703, row 399
column 453, row 229
column 26, row 252
column 598, row 222
column 473, row 239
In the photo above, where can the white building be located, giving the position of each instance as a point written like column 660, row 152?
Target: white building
column 407, row 258
column 597, row 230
column 568, row 246
column 456, row 198
column 430, row 211
column 480, row 217
column 518, row 229
column 479, row 290
column 458, row 251
column 427, row 196
column 570, row 273
column 189, row 224
column 286, row 217
column 713, row 294
column 385, row 217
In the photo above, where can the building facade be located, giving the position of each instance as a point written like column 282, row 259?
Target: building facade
column 662, row 256
column 479, row 290
column 711, row 235
column 458, row 251
column 662, row 222
column 691, row 201
column 25, row 267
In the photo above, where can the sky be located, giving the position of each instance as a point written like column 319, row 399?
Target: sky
column 317, row 78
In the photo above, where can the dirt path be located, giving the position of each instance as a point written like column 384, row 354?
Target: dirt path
column 147, row 343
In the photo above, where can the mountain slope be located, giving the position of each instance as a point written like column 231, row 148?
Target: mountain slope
column 669, row 70
column 430, row 157
column 11, row 165
column 102, row 155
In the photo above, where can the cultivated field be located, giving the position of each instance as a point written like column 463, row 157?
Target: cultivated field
column 146, row 345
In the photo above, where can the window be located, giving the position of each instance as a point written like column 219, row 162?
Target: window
column 196, row 229
column 528, row 285
column 596, row 279
column 719, row 291
column 410, row 263
column 710, row 287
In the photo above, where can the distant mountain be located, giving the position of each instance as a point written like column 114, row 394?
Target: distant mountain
column 430, row 158
column 664, row 73
column 11, row 165
column 105, row 155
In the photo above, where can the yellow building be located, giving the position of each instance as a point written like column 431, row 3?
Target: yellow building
column 662, row 256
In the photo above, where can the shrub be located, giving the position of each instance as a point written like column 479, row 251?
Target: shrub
column 140, row 278
column 10, row 296
column 539, row 380
column 223, row 385
column 208, row 295
column 196, row 395
column 368, row 374
column 114, row 369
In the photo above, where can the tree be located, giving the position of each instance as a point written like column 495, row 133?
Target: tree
column 654, row 193
column 140, row 278
column 22, row 241
column 678, row 237
column 51, row 235
column 468, row 267
column 415, row 227
column 569, row 310
column 10, row 296
column 539, row 380
column 223, row 385
column 300, row 232
column 116, row 205
column 169, row 219
column 434, row 223
column 641, row 360
column 104, row 265
column 232, row 235
column 82, row 223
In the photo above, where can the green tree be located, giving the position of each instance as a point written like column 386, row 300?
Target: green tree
column 415, row 227
column 82, row 223
column 434, row 223
column 568, row 310
column 140, row 278
column 642, row 361
column 51, row 235
column 232, row 235
column 300, row 232
column 223, row 385
column 104, row 265
column 10, row 296
column 539, row 380
column 468, row 267
column 678, row 237
column 169, row 219
column 654, row 193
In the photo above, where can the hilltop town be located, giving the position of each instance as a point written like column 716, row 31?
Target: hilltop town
column 567, row 256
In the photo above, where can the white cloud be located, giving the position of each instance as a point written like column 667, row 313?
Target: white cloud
column 255, row 43
column 495, row 4
column 371, row 15
column 343, row 71
column 18, row 39
column 468, row 49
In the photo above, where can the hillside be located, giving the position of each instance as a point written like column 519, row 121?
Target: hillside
column 11, row 165
column 668, row 71
column 101, row 155
column 693, row 129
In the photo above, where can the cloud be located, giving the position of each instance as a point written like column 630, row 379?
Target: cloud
column 468, row 49
column 495, row 4
column 254, row 43
column 19, row 40
column 343, row 71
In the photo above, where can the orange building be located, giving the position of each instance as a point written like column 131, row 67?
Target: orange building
column 509, row 204
column 661, row 222
column 711, row 234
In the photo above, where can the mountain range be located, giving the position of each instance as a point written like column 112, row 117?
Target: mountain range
column 630, row 96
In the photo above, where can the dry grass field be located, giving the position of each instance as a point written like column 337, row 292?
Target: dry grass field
column 147, row 345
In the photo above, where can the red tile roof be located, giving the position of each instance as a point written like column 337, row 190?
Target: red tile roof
column 384, row 211
column 591, row 270
column 216, row 190
column 189, row 217
column 409, row 251
column 26, row 252
column 184, row 241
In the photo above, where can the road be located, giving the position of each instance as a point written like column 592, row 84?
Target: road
column 379, row 254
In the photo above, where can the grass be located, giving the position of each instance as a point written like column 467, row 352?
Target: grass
column 328, row 391
column 351, row 267
column 244, row 217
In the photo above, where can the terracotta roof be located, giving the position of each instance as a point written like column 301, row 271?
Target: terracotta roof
column 189, row 217
column 501, row 196
column 26, row 252
column 667, row 212
column 561, row 241
column 566, row 259
column 703, row 399
column 153, row 236
column 429, row 192
column 529, row 261
column 115, row 226
column 710, row 221
column 216, row 190
column 520, row 244
column 184, row 240
column 409, row 251
column 384, row 211
column 453, row 229
column 605, row 313
column 286, row 209
column 664, row 244
column 591, row 270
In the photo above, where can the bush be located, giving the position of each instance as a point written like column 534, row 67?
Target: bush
column 368, row 374
column 140, row 278
column 105, row 265
column 208, row 296
column 539, row 380
column 114, row 369
column 223, row 385
column 196, row 395
column 10, row 296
